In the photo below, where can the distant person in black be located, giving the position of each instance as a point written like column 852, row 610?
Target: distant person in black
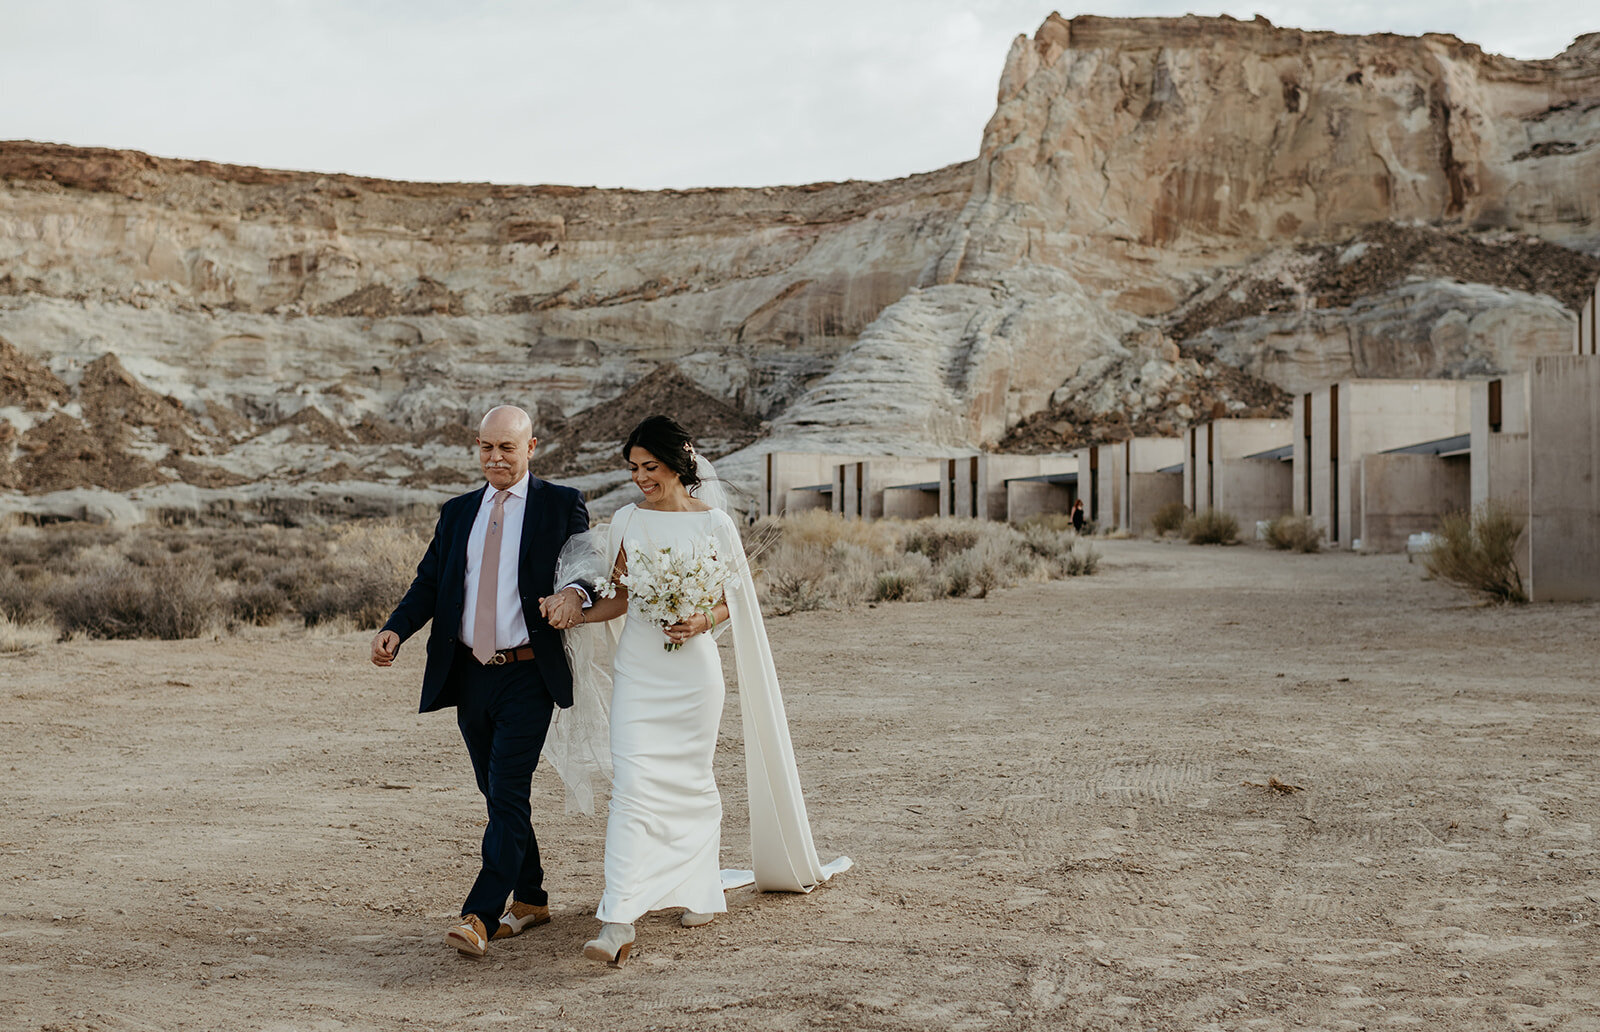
column 1077, row 516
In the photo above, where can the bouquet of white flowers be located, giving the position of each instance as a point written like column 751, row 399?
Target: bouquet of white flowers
column 669, row 585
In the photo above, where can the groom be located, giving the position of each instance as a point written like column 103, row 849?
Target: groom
column 483, row 582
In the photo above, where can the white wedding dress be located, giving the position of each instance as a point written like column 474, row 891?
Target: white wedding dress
column 664, row 831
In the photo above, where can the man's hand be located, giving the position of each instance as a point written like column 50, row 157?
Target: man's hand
column 563, row 609
column 384, row 647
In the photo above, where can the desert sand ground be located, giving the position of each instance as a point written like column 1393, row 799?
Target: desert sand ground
column 1052, row 797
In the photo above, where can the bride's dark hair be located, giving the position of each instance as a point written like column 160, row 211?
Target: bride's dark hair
column 669, row 442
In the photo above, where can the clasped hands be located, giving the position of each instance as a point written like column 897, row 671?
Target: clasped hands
column 564, row 609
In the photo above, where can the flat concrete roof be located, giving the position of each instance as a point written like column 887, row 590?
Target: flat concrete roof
column 1047, row 478
column 932, row 485
column 1284, row 454
column 1176, row 467
column 813, row 487
column 1460, row 444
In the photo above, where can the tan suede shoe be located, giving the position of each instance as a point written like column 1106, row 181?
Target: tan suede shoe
column 469, row 936
column 519, row 917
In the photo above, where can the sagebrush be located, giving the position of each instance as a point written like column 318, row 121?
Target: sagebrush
column 1288, row 533
column 1211, row 527
column 1169, row 518
column 184, row 582
column 816, row 559
column 1477, row 550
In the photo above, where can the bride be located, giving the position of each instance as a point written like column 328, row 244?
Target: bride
column 663, row 834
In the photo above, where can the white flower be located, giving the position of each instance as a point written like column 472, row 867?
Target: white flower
column 668, row 586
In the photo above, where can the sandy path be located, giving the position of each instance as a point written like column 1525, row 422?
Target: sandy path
column 1043, row 792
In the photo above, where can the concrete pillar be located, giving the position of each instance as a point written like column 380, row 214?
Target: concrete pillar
column 1564, row 478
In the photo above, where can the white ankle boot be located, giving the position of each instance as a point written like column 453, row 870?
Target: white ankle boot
column 613, row 944
column 691, row 919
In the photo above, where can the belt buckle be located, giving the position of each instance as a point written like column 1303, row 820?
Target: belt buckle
column 498, row 659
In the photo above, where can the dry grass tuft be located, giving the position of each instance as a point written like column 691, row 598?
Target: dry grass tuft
column 1274, row 785
column 1477, row 550
column 24, row 637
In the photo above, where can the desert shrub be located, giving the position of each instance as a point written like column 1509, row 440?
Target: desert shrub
column 957, row 578
column 1477, row 550
column 1047, row 542
column 22, row 590
column 370, row 567
column 910, row 580
column 822, row 560
column 1047, row 521
column 259, row 603
column 1081, row 561
column 1289, row 533
column 1169, row 518
column 821, row 528
column 791, row 592
column 853, row 571
column 299, row 581
column 942, row 537
column 1211, row 528
column 177, row 598
column 995, row 560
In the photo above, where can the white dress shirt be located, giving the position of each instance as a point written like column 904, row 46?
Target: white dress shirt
column 510, row 627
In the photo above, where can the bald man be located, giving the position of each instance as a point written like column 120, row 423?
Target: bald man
column 495, row 655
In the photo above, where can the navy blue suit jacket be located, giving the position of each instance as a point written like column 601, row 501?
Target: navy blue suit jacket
column 438, row 593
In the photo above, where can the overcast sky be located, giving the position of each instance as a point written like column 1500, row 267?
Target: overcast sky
column 668, row 93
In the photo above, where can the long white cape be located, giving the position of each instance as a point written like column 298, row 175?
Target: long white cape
column 784, row 858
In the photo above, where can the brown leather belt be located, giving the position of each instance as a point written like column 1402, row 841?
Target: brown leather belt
column 516, row 655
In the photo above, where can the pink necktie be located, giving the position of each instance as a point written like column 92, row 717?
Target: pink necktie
column 483, row 621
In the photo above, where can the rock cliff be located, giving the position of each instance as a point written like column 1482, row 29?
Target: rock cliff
column 1137, row 169
column 1167, row 218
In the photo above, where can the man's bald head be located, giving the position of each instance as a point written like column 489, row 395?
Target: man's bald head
column 506, row 417
column 505, row 444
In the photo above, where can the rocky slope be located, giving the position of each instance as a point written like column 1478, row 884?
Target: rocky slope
column 1167, row 218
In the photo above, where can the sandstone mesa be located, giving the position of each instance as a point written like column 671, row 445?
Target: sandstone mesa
column 1166, row 219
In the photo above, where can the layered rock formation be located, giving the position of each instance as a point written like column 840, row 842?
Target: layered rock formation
column 1168, row 218
column 1129, row 162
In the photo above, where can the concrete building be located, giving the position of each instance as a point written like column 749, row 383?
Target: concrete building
column 1146, row 473
column 1404, row 491
column 911, row 501
column 1536, row 451
column 1336, row 426
column 1044, row 493
column 859, row 486
column 794, row 481
column 976, row 485
column 1243, row 467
